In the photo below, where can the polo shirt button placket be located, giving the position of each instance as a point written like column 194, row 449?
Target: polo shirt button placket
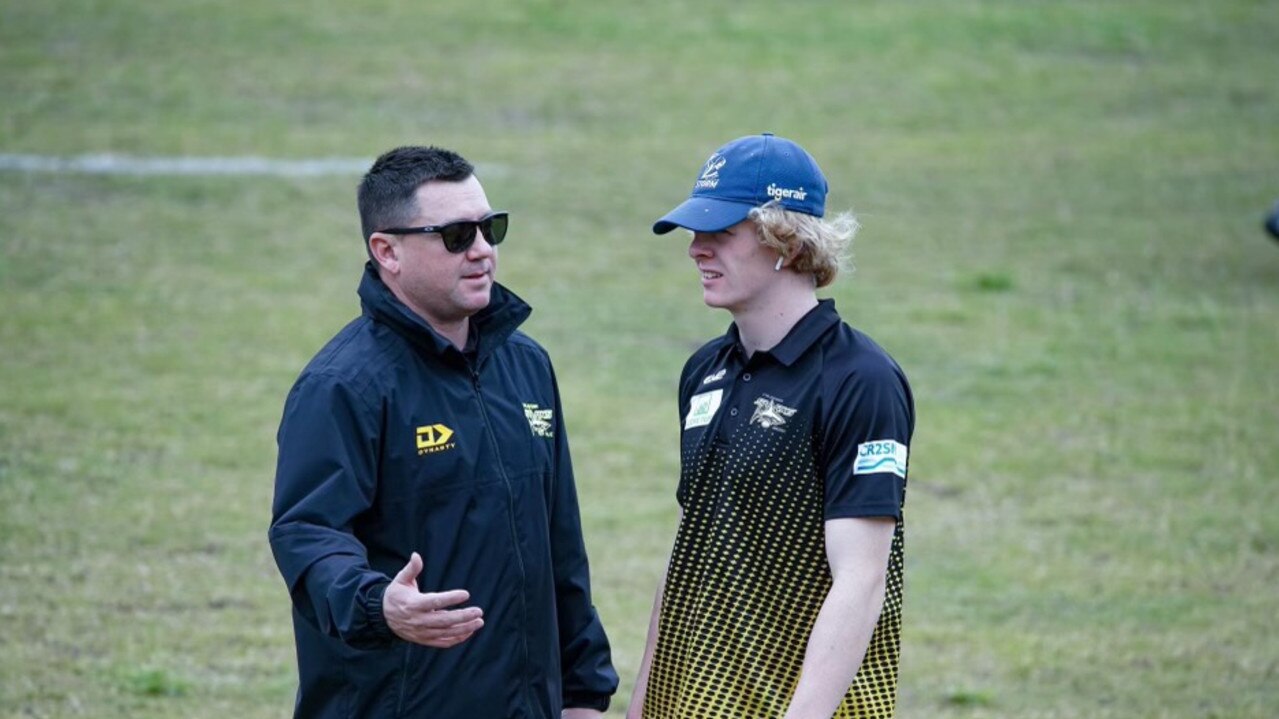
column 746, row 377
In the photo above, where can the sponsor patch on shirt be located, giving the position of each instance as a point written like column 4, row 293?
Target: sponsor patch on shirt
column 702, row 408
column 881, row 457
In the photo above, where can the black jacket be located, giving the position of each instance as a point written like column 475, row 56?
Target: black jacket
column 394, row 441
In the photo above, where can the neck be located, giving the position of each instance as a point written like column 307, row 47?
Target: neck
column 765, row 324
column 455, row 331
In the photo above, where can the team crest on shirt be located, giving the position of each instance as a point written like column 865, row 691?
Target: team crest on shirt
column 770, row 413
column 539, row 420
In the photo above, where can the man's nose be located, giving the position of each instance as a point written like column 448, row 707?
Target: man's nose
column 480, row 248
column 700, row 246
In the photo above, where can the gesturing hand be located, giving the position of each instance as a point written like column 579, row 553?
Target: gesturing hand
column 424, row 618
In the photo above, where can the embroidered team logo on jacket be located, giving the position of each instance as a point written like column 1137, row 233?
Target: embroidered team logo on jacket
column 540, row 420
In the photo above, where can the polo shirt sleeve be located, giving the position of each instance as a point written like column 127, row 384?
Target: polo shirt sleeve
column 687, row 384
column 868, row 422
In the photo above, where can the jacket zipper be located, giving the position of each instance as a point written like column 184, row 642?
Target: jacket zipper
column 510, row 514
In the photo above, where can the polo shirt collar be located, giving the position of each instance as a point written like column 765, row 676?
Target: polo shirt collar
column 803, row 335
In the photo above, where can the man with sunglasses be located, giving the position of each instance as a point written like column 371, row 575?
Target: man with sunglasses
column 425, row 517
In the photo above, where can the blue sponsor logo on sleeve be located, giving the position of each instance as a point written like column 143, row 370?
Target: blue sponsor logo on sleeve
column 885, row 456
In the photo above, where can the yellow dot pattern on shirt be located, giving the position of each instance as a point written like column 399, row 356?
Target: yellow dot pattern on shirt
column 746, row 580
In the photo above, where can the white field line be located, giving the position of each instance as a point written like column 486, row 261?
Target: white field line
column 111, row 164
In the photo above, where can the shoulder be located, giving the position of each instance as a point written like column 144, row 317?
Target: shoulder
column 865, row 394
column 702, row 357
column 525, row 351
column 861, row 380
column 523, row 363
column 355, row 359
column 850, row 356
column 523, row 344
column 699, row 365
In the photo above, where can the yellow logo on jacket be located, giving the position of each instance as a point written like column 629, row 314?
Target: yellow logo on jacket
column 434, row 438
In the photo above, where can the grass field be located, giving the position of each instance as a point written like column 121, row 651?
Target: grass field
column 1062, row 246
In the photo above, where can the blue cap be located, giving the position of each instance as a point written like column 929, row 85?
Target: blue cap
column 745, row 174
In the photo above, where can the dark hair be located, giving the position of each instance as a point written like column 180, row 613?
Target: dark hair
column 386, row 194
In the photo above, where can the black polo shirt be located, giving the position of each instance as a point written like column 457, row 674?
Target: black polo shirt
column 773, row 445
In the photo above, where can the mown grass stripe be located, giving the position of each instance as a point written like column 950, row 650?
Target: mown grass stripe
column 112, row 164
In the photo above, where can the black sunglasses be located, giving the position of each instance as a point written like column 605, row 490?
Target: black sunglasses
column 459, row 236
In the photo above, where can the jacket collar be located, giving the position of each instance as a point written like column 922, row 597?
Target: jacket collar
column 495, row 323
column 803, row 335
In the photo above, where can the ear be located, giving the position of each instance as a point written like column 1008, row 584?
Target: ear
column 386, row 251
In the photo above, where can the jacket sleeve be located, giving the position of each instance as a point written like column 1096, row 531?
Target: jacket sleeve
column 325, row 478
column 589, row 679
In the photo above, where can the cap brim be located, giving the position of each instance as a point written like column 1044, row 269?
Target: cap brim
column 703, row 214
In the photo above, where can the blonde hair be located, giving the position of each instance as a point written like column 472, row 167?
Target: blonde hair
column 813, row 245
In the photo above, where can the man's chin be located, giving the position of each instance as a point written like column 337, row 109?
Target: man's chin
column 475, row 301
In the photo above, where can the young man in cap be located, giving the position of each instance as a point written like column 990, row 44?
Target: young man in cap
column 425, row 517
column 783, row 593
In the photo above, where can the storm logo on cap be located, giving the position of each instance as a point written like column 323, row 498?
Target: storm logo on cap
column 710, row 174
